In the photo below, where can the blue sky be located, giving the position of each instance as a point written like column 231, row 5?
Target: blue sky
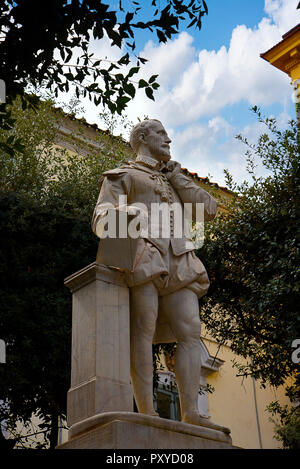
column 210, row 79
column 223, row 16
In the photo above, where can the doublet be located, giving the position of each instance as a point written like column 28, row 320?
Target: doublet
column 169, row 262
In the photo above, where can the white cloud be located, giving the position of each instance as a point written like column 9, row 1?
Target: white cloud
column 170, row 59
column 209, row 149
column 199, row 85
column 283, row 13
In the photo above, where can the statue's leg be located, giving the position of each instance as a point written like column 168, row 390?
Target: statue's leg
column 182, row 310
column 143, row 315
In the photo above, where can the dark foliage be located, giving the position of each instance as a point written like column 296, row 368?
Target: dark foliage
column 253, row 256
column 41, row 244
column 47, row 44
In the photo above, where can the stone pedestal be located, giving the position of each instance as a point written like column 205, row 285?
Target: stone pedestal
column 128, row 430
column 100, row 401
column 100, row 374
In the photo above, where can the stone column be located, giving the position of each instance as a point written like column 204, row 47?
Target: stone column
column 100, row 373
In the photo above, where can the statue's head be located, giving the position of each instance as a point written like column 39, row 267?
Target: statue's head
column 151, row 139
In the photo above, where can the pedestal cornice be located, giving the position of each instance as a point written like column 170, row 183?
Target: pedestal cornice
column 93, row 272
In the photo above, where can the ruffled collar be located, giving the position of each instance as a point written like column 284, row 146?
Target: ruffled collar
column 150, row 162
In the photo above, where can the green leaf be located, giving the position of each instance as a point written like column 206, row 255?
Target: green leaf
column 149, row 93
column 129, row 89
column 153, row 78
column 161, row 36
column 142, row 83
column 133, row 71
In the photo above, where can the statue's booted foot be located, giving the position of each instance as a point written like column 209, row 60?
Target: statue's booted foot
column 151, row 413
column 194, row 418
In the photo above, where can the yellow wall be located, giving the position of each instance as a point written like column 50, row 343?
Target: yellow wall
column 286, row 57
column 232, row 404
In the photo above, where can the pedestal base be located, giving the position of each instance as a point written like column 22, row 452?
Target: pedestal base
column 128, row 430
column 100, row 376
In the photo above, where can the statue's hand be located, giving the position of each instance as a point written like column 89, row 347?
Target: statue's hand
column 173, row 167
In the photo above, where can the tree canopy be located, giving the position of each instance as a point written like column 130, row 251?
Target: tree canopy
column 47, row 197
column 32, row 32
column 47, row 44
column 253, row 254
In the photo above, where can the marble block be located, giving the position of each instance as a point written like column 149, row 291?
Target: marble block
column 128, row 430
column 100, row 364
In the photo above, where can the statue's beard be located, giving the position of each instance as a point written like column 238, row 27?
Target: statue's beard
column 165, row 157
column 163, row 154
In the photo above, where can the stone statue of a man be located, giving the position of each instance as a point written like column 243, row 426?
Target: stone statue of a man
column 167, row 278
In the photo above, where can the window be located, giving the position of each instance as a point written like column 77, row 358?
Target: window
column 166, row 402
